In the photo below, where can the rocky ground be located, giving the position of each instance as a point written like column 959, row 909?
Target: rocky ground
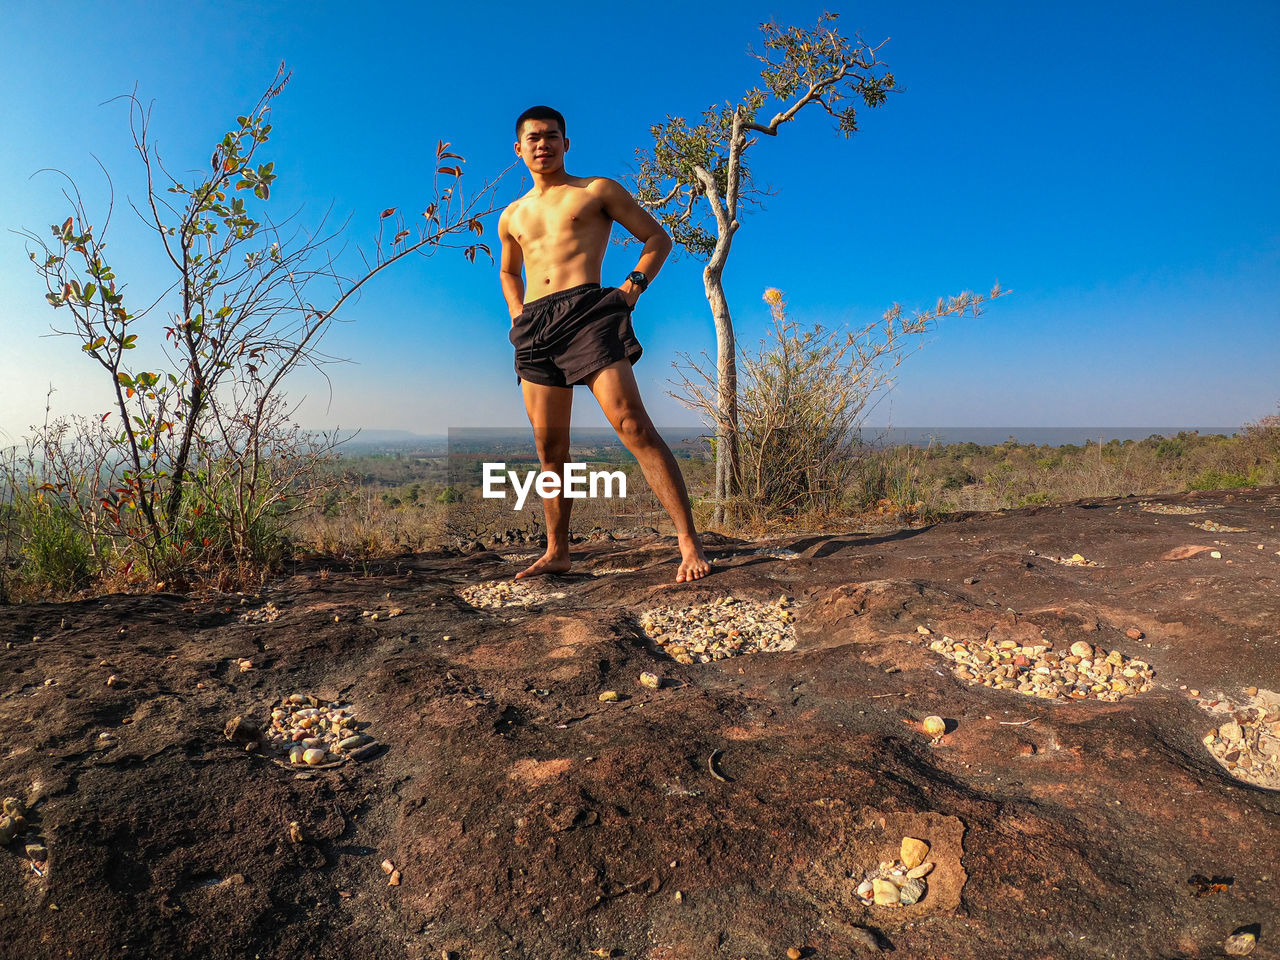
column 425, row 762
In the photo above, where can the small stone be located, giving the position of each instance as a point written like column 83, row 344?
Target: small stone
column 1251, row 691
column 934, row 727
column 915, row 873
column 650, row 680
column 911, row 892
column 1217, row 555
column 394, row 879
column 350, row 743
column 240, row 730
column 8, row 830
column 314, row 755
column 885, row 893
column 387, row 867
column 923, row 630
column 1133, row 633
column 1082, row 650
column 112, row 680
column 794, row 953
column 865, row 890
column 1194, row 693
column 1240, row 944
column 913, row 852
column 37, row 852
column 1229, row 731
column 363, row 753
column 295, row 832
column 13, row 807
column 609, row 696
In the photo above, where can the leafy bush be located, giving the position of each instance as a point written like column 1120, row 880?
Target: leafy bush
column 56, row 552
column 1218, row 480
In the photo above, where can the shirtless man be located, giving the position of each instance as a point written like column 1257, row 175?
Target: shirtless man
column 573, row 331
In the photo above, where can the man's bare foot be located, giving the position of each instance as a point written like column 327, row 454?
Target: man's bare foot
column 693, row 562
column 547, row 563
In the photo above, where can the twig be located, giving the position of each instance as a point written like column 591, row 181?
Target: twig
column 1018, row 723
column 711, row 766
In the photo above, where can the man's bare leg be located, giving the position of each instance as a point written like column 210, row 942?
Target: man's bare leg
column 615, row 388
column 549, row 410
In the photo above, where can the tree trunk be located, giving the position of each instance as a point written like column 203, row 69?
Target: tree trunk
column 727, row 466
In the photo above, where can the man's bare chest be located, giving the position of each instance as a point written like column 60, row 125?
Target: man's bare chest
column 575, row 213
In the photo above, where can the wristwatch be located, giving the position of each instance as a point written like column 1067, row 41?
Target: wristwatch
column 638, row 279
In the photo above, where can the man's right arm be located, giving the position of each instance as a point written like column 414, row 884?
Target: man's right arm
column 509, row 272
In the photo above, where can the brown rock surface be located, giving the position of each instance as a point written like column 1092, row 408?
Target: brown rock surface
column 531, row 820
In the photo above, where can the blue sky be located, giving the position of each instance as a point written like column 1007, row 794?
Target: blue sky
column 1112, row 163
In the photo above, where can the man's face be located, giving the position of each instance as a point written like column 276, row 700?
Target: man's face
column 541, row 146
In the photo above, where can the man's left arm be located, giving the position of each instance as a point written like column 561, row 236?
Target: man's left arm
column 637, row 221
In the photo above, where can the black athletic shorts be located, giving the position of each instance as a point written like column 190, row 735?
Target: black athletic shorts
column 564, row 337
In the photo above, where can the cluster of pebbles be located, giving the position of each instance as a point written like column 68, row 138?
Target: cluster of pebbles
column 312, row 731
column 1210, row 526
column 898, row 883
column 1172, row 509
column 496, row 594
column 1085, row 672
column 776, row 553
column 268, row 614
column 725, row 627
column 1075, row 560
column 1247, row 740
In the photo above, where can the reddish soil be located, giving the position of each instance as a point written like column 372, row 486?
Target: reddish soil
column 530, row 820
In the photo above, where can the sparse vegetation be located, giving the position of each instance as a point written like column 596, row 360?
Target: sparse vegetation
column 198, row 465
column 386, row 505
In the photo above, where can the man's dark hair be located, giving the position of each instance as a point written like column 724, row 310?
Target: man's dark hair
column 540, row 113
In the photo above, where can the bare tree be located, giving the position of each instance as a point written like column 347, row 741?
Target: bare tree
column 696, row 179
column 249, row 303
